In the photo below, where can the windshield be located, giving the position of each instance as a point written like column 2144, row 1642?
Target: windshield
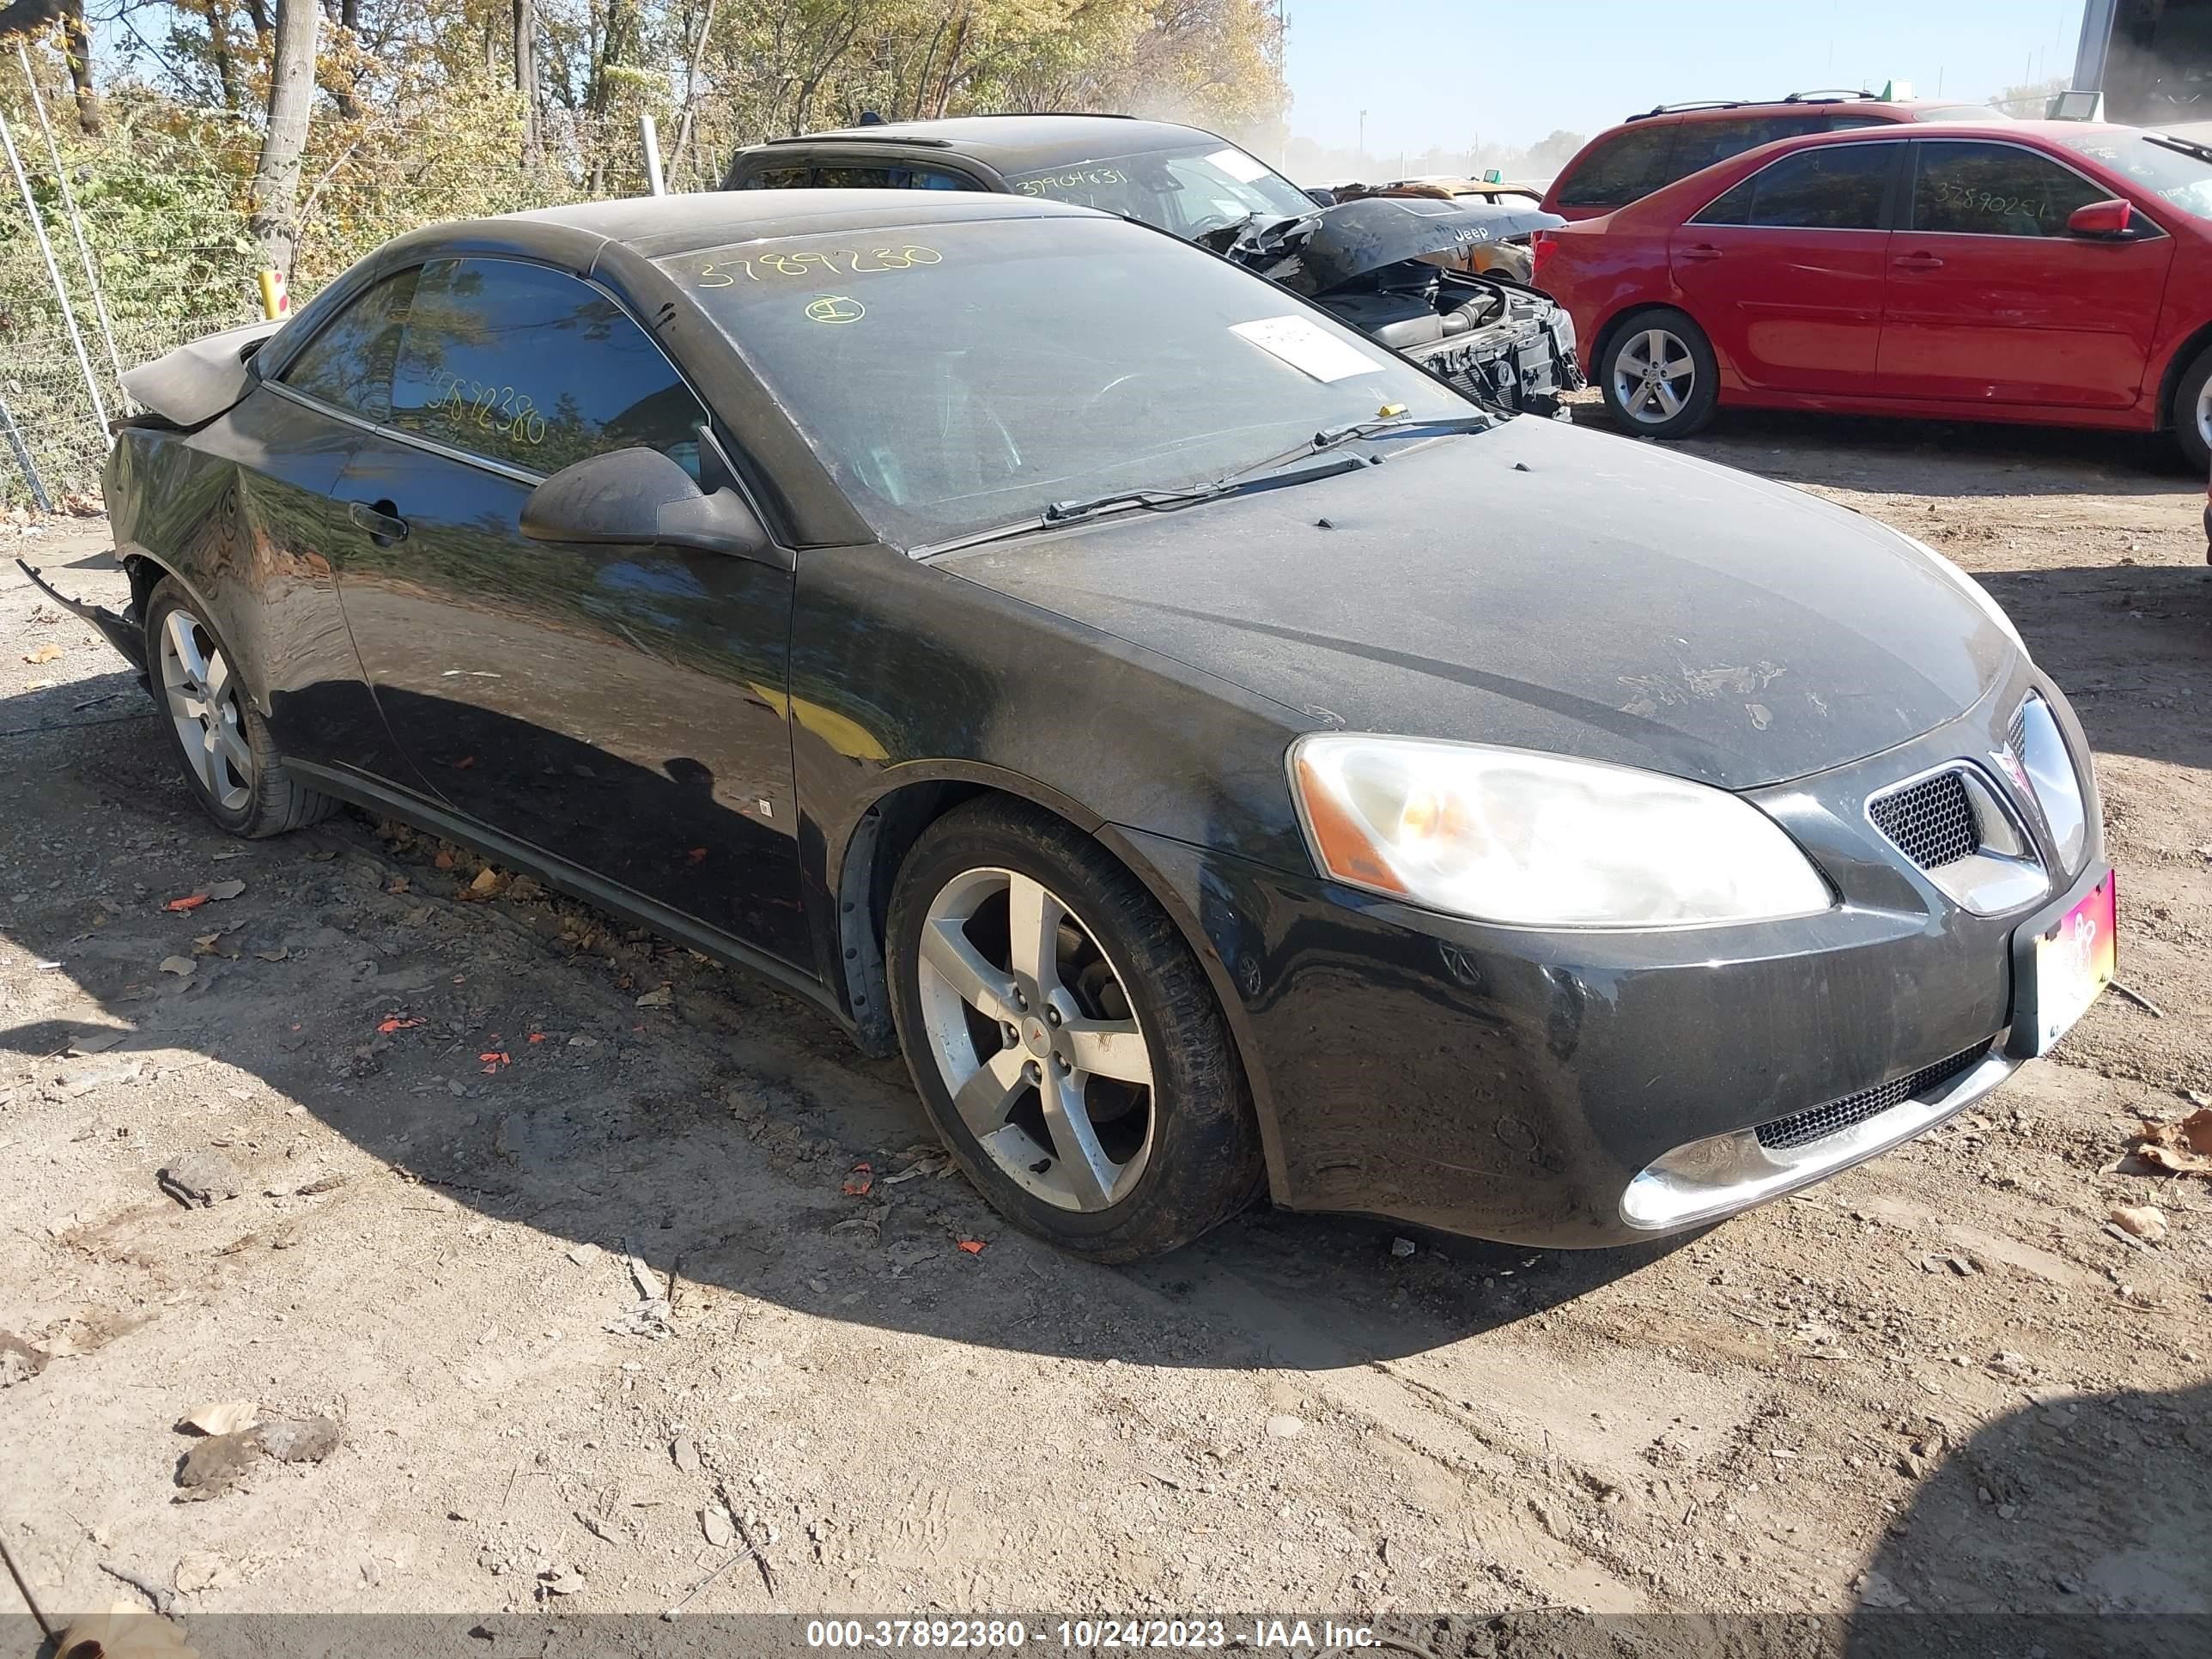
column 1188, row 192
column 2173, row 173
column 956, row 378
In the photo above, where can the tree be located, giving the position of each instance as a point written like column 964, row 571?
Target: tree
column 274, row 220
column 28, row 16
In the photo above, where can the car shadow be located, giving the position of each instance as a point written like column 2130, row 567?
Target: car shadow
column 2072, row 1525
column 2128, row 644
column 1933, row 458
column 495, row 1052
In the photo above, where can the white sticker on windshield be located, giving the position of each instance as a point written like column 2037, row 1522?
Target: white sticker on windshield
column 1239, row 166
column 1307, row 347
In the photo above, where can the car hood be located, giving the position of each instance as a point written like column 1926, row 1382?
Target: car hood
column 1326, row 250
column 1544, row 588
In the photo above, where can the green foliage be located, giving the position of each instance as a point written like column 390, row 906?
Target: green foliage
column 418, row 119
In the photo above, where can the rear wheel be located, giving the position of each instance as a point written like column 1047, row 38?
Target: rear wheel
column 1063, row 1038
column 1660, row 377
column 2192, row 412
column 220, row 738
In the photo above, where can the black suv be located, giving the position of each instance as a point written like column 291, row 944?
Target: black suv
column 1388, row 266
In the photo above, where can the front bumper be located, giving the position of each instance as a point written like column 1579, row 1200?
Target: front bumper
column 1516, row 1083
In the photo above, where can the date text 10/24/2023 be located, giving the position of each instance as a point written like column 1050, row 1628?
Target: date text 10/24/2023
column 1089, row 1635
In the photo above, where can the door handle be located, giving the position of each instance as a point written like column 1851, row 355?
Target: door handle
column 1701, row 251
column 382, row 522
column 1918, row 262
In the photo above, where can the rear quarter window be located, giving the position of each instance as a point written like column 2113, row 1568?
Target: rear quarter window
column 1631, row 163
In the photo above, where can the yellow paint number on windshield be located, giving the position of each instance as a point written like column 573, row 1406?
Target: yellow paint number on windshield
column 835, row 262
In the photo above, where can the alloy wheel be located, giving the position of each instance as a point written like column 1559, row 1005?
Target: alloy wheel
column 2204, row 412
column 1033, row 1031
column 1653, row 376
column 201, row 696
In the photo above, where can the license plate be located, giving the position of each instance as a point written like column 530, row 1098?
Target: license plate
column 2073, row 963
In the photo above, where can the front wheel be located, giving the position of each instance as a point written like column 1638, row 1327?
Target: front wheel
column 224, row 744
column 1063, row 1039
column 2192, row 413
column 1659, row 375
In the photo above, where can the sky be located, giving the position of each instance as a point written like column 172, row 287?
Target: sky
column 1435, row 73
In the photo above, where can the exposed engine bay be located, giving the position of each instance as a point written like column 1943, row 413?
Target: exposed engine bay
column 1370, row 263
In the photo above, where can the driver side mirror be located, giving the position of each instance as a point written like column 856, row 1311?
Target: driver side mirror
column 1323, row 197
column 2101, row 219
column 638, row 497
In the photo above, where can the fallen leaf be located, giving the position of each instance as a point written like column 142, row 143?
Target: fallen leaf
column 190, row 901
column 392, row 1023
column 227, row 890
column 720, row 1530
column 697, row 855
column 125, row 1631
column 223, row 1417
column 45, row 653
column 498, row 1058
column 398, row 885
column 2145, row 1221
column 277, row 955
column 487, row 883
column 657, row 998
column 538, row 1036
column 858, row 1183
column 2182, row 1148
column 180, row 966
column 973, row 1246
column 444, row 860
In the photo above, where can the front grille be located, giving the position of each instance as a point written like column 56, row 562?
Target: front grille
column 1932, row 821
column 1803, row 1128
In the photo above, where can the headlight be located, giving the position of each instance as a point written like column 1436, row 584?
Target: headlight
column 1534, row 840
column 1967, row 584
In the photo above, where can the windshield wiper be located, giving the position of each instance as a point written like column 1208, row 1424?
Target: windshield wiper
column 1230, row 484
column 2188, row 146
column 1330, row 437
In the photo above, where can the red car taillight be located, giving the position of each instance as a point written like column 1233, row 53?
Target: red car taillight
column 1539, row 247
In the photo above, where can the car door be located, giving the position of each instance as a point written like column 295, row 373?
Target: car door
column 1785, row 270
column 617, row 708
column 1990, row 299
column 284, row 533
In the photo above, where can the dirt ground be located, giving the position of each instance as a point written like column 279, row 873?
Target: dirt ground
column 1938, row 1383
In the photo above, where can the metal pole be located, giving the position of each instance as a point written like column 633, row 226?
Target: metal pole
column 54, row 274
column 23, row 460
column 649, row 134
column 75, row 218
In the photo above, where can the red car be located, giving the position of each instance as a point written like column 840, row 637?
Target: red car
column 1648, row 151
column 2054, row 273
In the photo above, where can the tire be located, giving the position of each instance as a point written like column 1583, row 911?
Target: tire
column 1164, row 1162
column 219, row 739
column 1688, row 373
column 2192, row 413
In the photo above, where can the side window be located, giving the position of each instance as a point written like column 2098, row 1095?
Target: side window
column 1852, row 122
column 1836, row 188
column 1702, row 144
column 348, row 364
column 930, row 179
column 780, row 178
column 1628, row 165
column 531, row 367
column 1995, row 190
